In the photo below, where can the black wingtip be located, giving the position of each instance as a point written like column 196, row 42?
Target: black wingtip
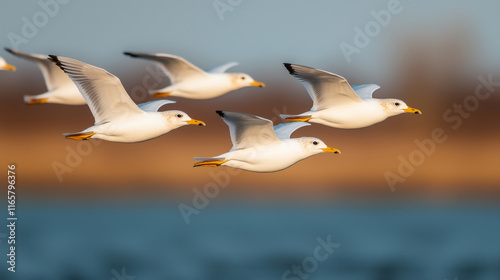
column 8, row 49
column 130, row 54
column 289, row 67
column 56, row 60
column 221, row 113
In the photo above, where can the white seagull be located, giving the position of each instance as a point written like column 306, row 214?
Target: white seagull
column 260, row 147
column 337, row 104
column 117, row 117
column 189, row 81
column 5, row 66
column 61, row 89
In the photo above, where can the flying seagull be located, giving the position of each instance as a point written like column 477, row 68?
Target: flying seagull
column 117, row 117
column 337, row 104
column 61, row 89
column 189, row 81
column 260, row 147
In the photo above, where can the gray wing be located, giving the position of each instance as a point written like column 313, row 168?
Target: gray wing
column 326, row 89
column 104, row 93
column 365, row 91
column 154, row 106
column 223, row 68
column 285, row 130
column 177, row 68
column 248, row 130
column 53, row 76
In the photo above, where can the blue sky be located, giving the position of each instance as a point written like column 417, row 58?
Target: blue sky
column 259, row 34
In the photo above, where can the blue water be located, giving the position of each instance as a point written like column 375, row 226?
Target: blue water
column 239, row 242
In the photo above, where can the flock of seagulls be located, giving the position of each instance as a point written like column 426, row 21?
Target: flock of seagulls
column 258, row 146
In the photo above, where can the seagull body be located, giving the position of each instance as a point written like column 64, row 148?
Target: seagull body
column 337, row 104
column 61, row 89
column 5, row 66
column 260, row 147
column 189, row 81
column 140, row 127
column 271, row 158
column 348, row 117
column 199, row 87
column 117, row 117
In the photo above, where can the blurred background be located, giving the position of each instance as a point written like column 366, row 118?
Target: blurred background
column 102, row 210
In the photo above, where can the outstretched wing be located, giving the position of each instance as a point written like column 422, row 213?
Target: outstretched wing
column 285, row 130
column 248, row 130
column 326, row 89
column 154, row 106
column 365, row 91
column 104, row 93
column 223, row 68
column 177, row 68
column 53, row 76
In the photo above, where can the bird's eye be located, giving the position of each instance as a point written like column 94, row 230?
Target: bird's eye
column 315, row 142
column 179, row 115
column 397, row 103
column 242, row 77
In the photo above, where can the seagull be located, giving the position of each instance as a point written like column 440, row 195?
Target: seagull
column 5, row 66
column 61, row 89
column 260, row 147
column 189, row 81
column 117, row 117
column 337, row 104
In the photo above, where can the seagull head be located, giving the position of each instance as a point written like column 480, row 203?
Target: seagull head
column 244, row 80
column 395, row 107
column 314, row 146
column 178, row 118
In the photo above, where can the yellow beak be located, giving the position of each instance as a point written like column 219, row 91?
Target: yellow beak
column 196, row 122
column 331, row 150
column 413, row 111
column 10, row 67
column 257, row 84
